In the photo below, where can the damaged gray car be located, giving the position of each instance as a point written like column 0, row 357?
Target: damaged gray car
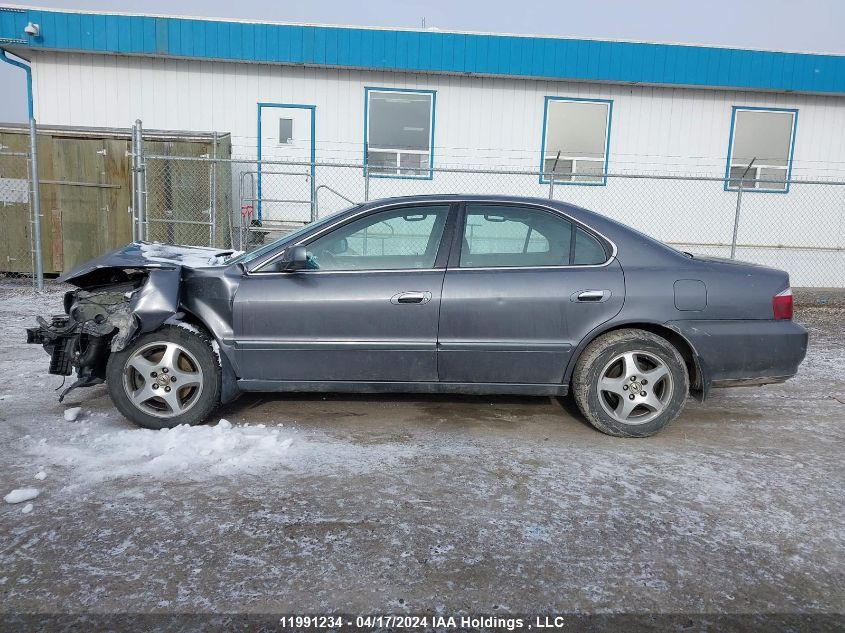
column 429, row 294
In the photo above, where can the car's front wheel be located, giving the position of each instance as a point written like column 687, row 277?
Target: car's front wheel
column 630, row 383
column 165, row 378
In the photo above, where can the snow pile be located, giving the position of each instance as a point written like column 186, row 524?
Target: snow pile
column 21, row 494
column 192, row 256
column 184, row 451
column 72, row 413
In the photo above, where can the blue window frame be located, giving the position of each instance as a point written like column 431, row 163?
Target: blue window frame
column 576, row 140
column 399, row 132
column 760, row 149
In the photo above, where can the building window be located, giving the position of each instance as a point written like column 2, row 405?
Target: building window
column 399, row 137
column 760, row 150
column 285, row 131
column 576, row 139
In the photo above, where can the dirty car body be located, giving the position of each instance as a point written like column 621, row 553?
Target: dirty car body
column 468, row 304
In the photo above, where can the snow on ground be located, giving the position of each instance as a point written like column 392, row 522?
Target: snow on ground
column 103, row 446
column 312, row 503
column 19, row 495
column 184, row 451
column 72, row 413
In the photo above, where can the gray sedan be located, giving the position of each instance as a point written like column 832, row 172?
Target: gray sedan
column 428, row 294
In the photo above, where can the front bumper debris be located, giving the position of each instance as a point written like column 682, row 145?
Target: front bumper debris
column 96, row 323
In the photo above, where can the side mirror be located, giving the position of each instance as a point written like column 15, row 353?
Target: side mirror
column 295, row 259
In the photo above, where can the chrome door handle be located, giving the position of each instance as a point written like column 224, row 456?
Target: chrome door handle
column 412, row 296
column 593, row 296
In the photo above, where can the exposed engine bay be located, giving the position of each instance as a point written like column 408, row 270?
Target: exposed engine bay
column 96, row 321
column 120, row 296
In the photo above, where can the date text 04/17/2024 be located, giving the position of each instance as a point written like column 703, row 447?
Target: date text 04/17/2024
column 417, row 622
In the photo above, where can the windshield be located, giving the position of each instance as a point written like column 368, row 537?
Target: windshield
column 267, row 248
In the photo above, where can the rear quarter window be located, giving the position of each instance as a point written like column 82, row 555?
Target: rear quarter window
column 588, row 249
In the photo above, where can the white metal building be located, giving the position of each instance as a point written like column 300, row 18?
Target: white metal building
column 405, row 101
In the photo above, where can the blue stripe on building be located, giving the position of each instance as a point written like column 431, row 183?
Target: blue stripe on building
column 427, row 51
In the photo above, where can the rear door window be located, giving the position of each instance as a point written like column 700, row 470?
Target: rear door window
column 516, row 236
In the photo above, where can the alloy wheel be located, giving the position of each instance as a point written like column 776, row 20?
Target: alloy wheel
column 163, row 379
column 635, row 387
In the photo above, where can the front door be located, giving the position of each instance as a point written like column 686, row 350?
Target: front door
column 521, row 291
column 366, row 309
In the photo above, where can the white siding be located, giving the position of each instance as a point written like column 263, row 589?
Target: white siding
column 497, row 122
column 480, row 121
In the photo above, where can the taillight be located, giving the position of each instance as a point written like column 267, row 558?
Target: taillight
column 782, row 305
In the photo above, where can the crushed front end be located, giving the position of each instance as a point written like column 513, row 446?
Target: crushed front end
column 127, row 292
column 115, row 301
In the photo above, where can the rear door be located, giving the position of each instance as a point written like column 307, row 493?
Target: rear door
column 524, row 285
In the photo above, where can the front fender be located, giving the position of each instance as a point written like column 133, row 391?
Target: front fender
column 157, row 300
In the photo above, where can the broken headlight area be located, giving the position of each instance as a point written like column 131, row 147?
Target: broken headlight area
column 96, row 322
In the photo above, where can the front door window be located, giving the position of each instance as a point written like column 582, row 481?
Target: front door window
column 397, row 239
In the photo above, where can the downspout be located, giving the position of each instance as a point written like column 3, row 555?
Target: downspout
column 38, row 263
column 4, row 55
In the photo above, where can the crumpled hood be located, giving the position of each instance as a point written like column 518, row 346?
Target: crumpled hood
column 150, row 255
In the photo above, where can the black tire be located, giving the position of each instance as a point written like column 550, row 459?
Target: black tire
column 200, row 401
column 603, row 408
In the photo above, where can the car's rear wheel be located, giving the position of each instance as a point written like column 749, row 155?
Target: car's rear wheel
column 165, row 378
column 630, row 383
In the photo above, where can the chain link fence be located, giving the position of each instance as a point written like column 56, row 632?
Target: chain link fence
column 245, row 203
column 210, row 200
column 17, row 243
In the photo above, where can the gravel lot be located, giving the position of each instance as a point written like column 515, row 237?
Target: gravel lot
column 423, row 504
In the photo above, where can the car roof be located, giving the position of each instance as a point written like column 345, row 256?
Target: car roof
column 462, row 197
column 579, row 213
column 626, row 241
column 636, row 245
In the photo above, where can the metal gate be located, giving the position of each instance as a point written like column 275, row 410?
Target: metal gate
column 17, row 245
column 273, row 202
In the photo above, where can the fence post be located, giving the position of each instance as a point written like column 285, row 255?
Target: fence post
column 552, row 187
column 140, row 184
column 36, row 205
column 213, row 218
column 738, row 206
column 133, row 151
column 313, row 179
column 736, row 220
column 366, row 183
column 136, row 182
